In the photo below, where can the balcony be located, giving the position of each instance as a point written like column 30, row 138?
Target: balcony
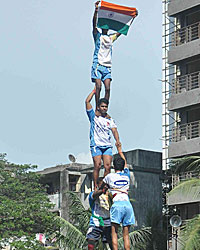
column 185, row 140
column 185, row 91
column 186, row 34
column 186, row 83
column 185, row 43
column 186, row 131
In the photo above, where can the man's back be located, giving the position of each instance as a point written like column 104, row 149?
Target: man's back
column 119, row 184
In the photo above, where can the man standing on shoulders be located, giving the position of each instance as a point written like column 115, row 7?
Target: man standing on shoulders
column 100, row 135
column 100, row 226
column 121, row 210
column 101, row 66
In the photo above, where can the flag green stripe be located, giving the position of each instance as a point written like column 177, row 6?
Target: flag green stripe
column 105, row 23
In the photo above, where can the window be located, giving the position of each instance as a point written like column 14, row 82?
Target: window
column 73, row 182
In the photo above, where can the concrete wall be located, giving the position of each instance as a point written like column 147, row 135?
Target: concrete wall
column 177, row 6
column 183, row 148
column 184, row 51
column 184, row 99
column 146, row 192
column 144, row 159
column 146, row 184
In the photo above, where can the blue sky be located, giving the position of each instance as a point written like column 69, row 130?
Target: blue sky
column 46, row 53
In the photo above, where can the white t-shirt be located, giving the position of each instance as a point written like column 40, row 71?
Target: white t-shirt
column 103, row 48
column 99, row 210
column 119, row 181
column 100, row 129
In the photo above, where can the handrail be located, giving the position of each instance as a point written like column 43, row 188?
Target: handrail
column 186, row 131
column 186, row 34
column 186, row 82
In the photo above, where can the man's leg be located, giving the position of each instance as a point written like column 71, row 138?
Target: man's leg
column 107, row 159
column 105, row 245
column 107, row 238
column 97, row 166
column 91, row 244
column 107, row 83
column 126, row 237
column 114, row 236
column 98, row 90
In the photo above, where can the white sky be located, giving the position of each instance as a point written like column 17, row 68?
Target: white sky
column 45, row 60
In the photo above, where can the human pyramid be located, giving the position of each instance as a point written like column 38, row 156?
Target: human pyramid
column 109, row 201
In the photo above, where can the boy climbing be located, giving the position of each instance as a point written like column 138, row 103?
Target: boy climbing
column 101, row 67
column 100, row 226
column 121, row 210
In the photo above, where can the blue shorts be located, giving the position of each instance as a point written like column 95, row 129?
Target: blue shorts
column 95, row 233
column 122, row 212
column 100, row 72
column 101, row 151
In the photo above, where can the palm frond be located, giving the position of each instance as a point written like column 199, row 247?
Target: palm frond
column 137, row 237
column 70, row 236
column 187, row 187
column 191, row 234
column 186, row 164
column 79, row 216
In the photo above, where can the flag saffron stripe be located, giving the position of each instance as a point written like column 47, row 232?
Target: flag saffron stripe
column 105, row 23
column 118, row 8
column 114, row 16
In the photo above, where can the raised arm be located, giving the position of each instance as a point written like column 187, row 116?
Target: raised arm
column 118, row 34
column 94, row 20
column 119, row 149
column 102, row 190
column 115, row 36
column 89, row 98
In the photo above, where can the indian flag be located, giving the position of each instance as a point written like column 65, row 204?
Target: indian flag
column 115, row 17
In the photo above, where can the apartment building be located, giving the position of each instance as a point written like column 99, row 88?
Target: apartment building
column 181, row 92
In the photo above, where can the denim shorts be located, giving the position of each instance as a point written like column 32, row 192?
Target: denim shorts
column 95, row 233
column 100, row 72
column 97, row 150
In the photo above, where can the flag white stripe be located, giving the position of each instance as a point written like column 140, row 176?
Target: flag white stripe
column 114, row 16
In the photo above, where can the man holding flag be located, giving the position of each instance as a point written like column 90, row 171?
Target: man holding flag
column 117, row 18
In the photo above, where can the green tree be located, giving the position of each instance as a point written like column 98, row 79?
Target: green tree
column 186, row 164
column 190, row 231
column 191, row 234
column 24, row 206
column 73, row 233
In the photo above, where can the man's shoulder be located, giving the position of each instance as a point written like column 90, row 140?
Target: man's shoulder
column 110, row 175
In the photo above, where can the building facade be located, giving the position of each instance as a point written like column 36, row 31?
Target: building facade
column 181, row 93
column 145, row 188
